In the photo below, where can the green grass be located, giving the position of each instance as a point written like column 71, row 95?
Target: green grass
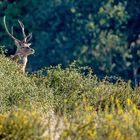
column 65, row 104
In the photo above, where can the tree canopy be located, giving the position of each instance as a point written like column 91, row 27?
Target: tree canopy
column 102, row 34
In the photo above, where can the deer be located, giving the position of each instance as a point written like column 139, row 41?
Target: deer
column 23, row 49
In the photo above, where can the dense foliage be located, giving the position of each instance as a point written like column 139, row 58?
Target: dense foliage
column 67, row 104
column 16, row 92
column 102, row 34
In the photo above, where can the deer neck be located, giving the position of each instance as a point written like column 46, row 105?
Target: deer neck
column 22, row 62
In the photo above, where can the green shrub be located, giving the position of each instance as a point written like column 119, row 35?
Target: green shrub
column 71, row 87
column 62, row 89
column 17, row 90
column 89, row 108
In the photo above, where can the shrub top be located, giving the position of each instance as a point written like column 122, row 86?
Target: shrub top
column 17, row 90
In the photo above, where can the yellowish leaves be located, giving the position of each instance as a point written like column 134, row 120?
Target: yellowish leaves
column 116, row 133
column 111, row 98
column 128, row 101
column 109, row 117
column 91, row 133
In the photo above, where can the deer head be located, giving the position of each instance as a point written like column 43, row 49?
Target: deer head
column 23, row 46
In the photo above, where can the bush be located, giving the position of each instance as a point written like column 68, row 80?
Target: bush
column 111, row 125
column 62, row 89
column 19, row 91
column 73, row 86
column 22, row 125
column 85, row 107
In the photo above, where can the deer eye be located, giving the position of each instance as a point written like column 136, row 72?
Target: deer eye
column 25, row 48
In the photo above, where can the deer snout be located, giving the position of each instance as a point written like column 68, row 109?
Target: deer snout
column 33, row 51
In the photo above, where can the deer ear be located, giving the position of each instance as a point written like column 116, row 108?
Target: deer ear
column 29, row 44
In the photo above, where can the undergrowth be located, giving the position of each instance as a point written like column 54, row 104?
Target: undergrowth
column 66, row 104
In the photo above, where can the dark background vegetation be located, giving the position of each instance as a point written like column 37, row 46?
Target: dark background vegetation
column 102, row 34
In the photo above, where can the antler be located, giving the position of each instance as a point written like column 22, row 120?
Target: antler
column 26, row 39
column 4, row 20
column 29, row 36
column 22, row 27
